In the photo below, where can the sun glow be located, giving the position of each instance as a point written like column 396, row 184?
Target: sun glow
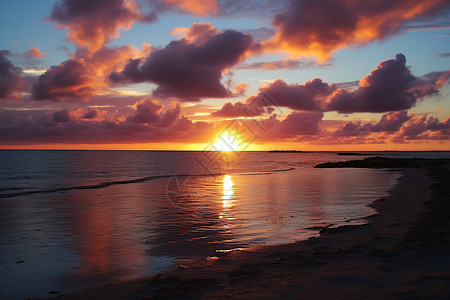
column 227, row 141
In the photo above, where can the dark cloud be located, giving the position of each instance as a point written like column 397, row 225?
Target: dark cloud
column 309, row 96
column 301, row 123
column 70, row 80
column 389, row 123
column 447, row 54
column 186, row 69
column 392, row 121
column 146, row 111
column 319, row 28
column 239, row 109
column 424, row 128
column 353, row 128
column 71, row 126
column 92, row 114
column 84, row 75
column 61, row 116
column 389, row 87
column 435, row 124
column 11, row 82
column 149, row 111
column 169, row 116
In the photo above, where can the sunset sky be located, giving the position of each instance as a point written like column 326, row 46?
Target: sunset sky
column 181, row 74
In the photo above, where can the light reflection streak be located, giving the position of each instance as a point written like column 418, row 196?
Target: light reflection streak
column 227, row 192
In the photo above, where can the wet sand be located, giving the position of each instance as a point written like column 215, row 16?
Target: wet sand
column 402, row 252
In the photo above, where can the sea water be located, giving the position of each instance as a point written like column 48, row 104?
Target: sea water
column 73, row 219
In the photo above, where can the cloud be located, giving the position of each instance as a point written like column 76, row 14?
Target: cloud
column 389, row 123
column 309, row 96
column 92, row 114
column 353, row 129
column 70, row 126
column 188, row 70
column 170, row 115
column 389, row 87
column 34, row 53
column 444, row 55
column 424, row 128
column 240, row 89
column 319, row 28
column 11, row 83
column 436, row 26
column 196, row 7
column 442, row 79
column 392, row 121
column 70, row 80
column 84, row 75
column 150, row 121
column 93, row 23
column 150, row 111
column 108, row 59
column 260, row 34
column 227, row 8
column 198, row 33
column 251, row 8
column 239, row 109
column 288, row 64
column 146, row 111
column 301, row 123
column 61, row 116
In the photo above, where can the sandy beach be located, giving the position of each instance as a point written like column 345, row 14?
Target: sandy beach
column 401, row 253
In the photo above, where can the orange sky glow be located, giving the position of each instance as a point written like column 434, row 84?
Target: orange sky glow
column 174, row 74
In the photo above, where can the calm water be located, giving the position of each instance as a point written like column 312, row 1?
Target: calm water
column 71, row 219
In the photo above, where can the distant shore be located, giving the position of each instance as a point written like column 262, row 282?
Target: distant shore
column 402, row 252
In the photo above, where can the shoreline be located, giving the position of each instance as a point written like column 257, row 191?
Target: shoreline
column 390, row 256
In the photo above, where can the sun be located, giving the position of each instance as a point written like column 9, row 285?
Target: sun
column 227, row 141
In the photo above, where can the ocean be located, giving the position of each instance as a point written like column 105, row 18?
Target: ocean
column 75, row 219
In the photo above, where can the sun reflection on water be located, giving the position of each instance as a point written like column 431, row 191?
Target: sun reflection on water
column 227, row 192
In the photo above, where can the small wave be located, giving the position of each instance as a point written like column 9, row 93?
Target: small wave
column 111, row 183
column 263, row 172
column 10, row 189
column 87, row 187
column 283, row 170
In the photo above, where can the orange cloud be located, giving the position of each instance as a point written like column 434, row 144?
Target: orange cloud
column 319, row 28
column 197, row 7
column 198, row 33
column 240, row 89
column 94, row 23
column 84, row 74
column 443, row 79
column 34, row 53
column 70, row 80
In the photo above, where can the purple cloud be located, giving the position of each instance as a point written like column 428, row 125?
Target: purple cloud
column 11, row 82
column 188, row 70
